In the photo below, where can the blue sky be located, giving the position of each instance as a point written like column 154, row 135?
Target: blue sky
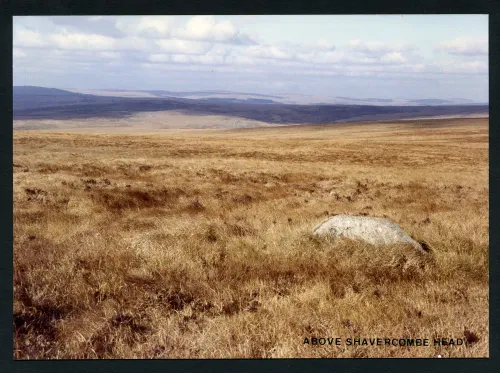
column 381, row 56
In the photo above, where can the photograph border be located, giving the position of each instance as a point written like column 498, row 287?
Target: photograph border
column 151, row 7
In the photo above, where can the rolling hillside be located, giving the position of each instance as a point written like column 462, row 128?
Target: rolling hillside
column 47, row 103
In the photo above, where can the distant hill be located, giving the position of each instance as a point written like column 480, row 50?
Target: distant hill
column 40, row 91
column 283, row 98
column 161, row 93
column 28, row 97
column 49, row 103
column 241, row 101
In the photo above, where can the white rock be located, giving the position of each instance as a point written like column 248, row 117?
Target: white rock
column 375, row 231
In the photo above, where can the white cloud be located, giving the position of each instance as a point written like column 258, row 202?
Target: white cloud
column 464, row 46
column 180, row 58
column 269, row 52
column 394, row 57
column 458, row 67
column 200, row 28
column 148, row 26
column 105, row 26
column 206, row 28
column 328, row 57
column 134, row 43
column 18, row 53
column 29, row 39
column 183, row 47
column 158, row 57
column 186, row 59
column 220, row 50
column 237, row 60
column 322, row 45
column 105, row 45
column 158, row 25
column 82, row 41
column 110, row 55
column 377, row 48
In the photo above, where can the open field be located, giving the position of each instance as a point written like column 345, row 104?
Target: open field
column 197, row 243
column 155, row 122
column 139, row 123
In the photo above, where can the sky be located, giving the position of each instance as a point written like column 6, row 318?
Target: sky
column 368, row 56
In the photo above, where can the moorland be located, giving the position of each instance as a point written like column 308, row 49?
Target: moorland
column 197, row 243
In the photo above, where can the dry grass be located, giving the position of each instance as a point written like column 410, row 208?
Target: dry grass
column 139, row 123
column 197, row 244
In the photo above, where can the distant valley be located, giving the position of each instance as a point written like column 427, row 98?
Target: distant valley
column 247, row 109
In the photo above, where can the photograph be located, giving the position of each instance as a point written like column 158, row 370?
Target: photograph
column 250, row 186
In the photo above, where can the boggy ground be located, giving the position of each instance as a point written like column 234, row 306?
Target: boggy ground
column 197, row 244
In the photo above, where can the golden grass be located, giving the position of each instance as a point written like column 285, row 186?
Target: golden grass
column 197, row 244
